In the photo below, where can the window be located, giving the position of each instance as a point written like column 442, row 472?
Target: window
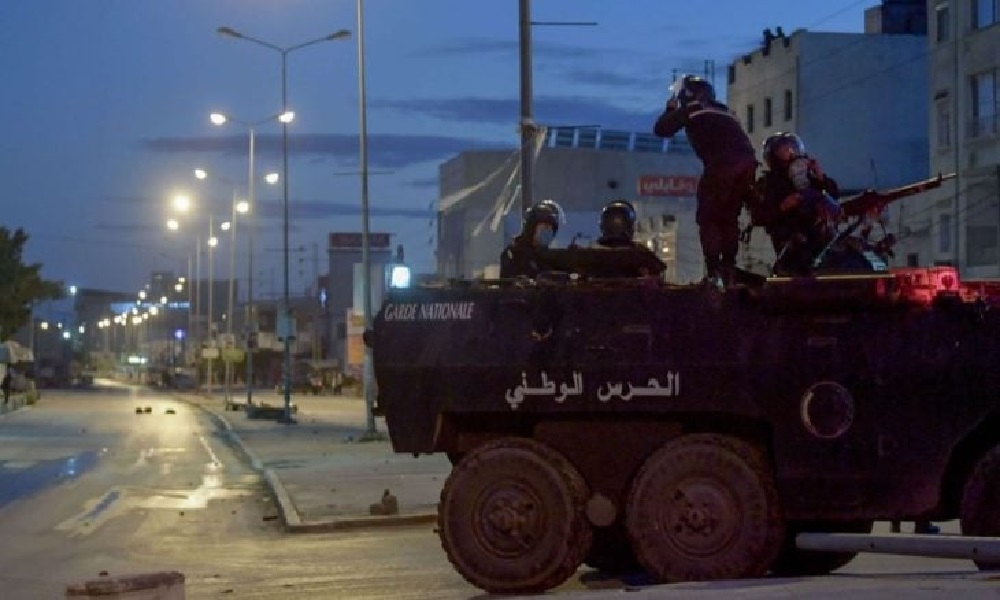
column 984, row 104
column 981, row 245
column 732, row 74
column 788, row 105
column 942, row 20
column 749, row 118
column 984, row 13
column 944, row 234
column 942, row 122
column 767, row 112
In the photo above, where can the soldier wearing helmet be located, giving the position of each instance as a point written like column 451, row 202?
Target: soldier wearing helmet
column 617, row 230
column 798, row 207
column 617, row 225
column 539, row 227
column 729, row 168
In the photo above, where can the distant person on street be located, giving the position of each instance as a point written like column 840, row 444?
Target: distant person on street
column 729, row 169
column 5, row 384
column 520, row 257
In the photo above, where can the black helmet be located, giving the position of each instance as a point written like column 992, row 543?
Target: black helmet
column 545, row 211
column 777, row 141
column 618, row 222
column 692, row 88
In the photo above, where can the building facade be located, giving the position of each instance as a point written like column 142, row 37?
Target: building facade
column 858, row 101
column 958, row 224
column 582, row 170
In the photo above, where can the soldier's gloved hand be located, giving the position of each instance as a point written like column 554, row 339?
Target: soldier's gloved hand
column 790, row 201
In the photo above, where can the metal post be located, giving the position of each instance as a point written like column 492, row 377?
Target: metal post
column 251, row 321
column 197, row 307
column 366, row 268
column 229, row 308
column 211, row 306
column 527, row 123
column 286, row 307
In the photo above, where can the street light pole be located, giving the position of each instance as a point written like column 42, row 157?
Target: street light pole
column 367, row 377
column 251, row 326
column 221, row 119
column 286, row 308
column 211, row 305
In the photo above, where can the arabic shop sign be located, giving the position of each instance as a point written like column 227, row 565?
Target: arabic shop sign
column 429, row 311
column 606, row 391
column 667, row 185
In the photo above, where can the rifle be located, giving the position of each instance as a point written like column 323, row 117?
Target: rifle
column 874, row 202
column 871, row 203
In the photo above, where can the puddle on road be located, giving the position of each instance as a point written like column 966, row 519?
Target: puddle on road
column 120, row 500
column 22, row 479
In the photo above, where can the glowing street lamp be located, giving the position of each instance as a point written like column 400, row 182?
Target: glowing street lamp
column 342, row 34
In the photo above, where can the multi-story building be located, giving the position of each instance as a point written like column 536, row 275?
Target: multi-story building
column 582, row 169
column 958, row 224
column 859, row 101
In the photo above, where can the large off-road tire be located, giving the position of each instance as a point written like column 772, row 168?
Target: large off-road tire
column 512, row 517
column 793, row 562
column 705, row 507
column 978, row 514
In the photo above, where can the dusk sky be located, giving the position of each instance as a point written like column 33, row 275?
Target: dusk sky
column 105, row 103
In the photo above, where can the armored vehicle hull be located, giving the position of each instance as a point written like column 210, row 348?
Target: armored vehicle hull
column 693, row 430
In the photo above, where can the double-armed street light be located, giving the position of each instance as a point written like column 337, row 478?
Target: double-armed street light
column 286, row 321
column 220, row 119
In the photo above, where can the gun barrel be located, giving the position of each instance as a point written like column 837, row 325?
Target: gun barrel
column 873, row 200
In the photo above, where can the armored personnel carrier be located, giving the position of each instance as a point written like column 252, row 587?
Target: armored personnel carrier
column 692, row 429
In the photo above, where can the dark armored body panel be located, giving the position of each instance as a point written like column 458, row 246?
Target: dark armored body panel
column 692, row 429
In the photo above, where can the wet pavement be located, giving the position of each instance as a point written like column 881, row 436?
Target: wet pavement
column 323, row 475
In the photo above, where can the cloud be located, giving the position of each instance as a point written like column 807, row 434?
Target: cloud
column 616, row 79
column 426, row 182
column 551, row 110
column 313, row 209
column 385, row 150
column 539, row 50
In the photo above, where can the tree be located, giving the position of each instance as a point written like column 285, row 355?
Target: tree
column 20, row 284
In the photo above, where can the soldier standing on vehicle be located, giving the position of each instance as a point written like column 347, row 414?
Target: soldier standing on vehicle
column 798, row 206
column 729, row 168
column 520, row 257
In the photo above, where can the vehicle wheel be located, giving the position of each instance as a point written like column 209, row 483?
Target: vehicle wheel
column 611, row 552
column 978, row 513
column 512, row 517
column 793, row 562
column 705, row 507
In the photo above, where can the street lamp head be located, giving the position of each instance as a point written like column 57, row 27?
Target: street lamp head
column 243, row 207
column 341, row 34
column 228, row 31
column 287, row 117
column 225, row 225
column 218, row 118
column 173, row 225
column 200, row 174
column 213, row 241
column 182, row 202
column 272, row 178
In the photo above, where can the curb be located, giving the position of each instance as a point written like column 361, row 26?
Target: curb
column 286, row 506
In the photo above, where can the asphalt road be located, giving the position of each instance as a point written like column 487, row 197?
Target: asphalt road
column 87, row 485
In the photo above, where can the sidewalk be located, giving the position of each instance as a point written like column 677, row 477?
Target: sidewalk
column 322, row 476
